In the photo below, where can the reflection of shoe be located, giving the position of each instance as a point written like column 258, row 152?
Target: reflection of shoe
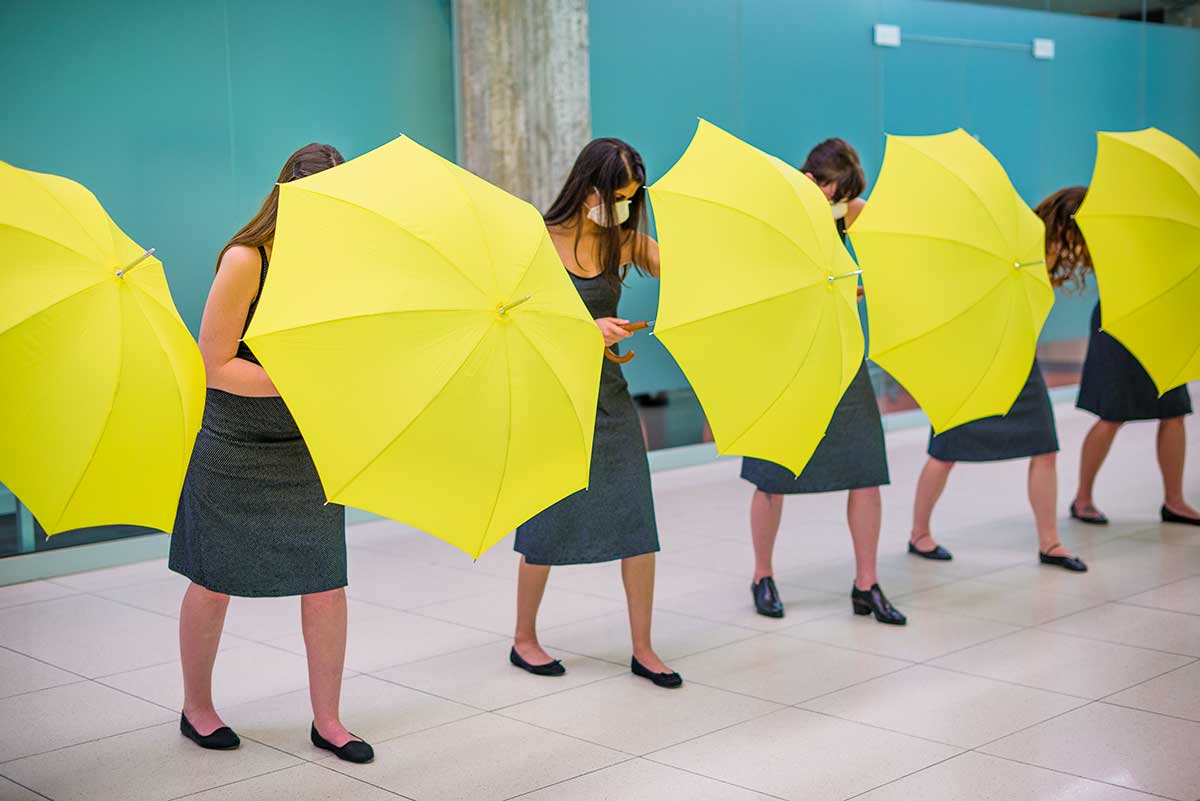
column 554, row 668
column 652, row 400
column 937, row 553
column 1072, row 563
column 353, row 751
column 766, row 598
column 223, row 739
column 870, row 601
column 1170, row 517
column 1097, row 519
column 668, row 680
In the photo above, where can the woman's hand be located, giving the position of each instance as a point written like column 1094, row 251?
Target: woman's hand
column 860, row 292
column 611, row 328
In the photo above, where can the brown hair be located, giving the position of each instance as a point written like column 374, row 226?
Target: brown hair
column 310, row 159
column 1067, row 256
column 835, row 161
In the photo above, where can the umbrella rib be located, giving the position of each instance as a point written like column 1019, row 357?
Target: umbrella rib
column 368, row 315
column 1147, row 152
column 1165, row 291
column 662, row 329
column 943, row 324
column 404, row 231
column 999, row 343
column 507, row 452
column 55, row 242
column 414, row 418
column 745, row 214
column 557, row 380
column 1096, row 215
column 58, row 302
column 910, row 235
column 487, row 246
column 29, row 177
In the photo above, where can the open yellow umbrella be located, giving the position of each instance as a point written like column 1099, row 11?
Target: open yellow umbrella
column 954, row 268
column 1141, row 218
column 104, row 386
column 750, row 305
column 422, row 330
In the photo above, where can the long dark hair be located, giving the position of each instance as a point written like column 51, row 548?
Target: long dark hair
column 310, row 159
column 605, row 165
column 1067, row 257
column 835, row 161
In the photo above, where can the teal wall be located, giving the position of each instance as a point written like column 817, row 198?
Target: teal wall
column 784, row 75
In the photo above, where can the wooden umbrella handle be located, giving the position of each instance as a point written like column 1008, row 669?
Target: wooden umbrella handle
column 626, row 357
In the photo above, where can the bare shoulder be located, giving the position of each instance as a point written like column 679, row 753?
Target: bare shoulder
column 241, row 267
column 854, row 208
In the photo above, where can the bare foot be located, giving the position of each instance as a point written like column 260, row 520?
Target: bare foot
column 335, row 733
column 204, row 721
column 532, row 652
column 651, row 662
column 1057, row 550
column 924, row 542
column 1088, row 509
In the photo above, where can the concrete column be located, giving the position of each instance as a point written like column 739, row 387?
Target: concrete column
column 523, row 97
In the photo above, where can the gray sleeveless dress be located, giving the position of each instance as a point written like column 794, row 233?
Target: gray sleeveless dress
column 614, row 517
column 252, row 517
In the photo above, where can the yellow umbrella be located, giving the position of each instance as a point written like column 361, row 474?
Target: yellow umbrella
column 954, row 268
column 438, row 361
column 104, row 386
column 749, row 306
column 1141, row 218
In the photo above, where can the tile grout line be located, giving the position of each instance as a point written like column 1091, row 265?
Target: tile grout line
column 23, row 787
column 1074, row 775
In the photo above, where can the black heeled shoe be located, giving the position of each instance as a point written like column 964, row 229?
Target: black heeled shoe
column 356, row 751
column 554, row 668
column 670, row 681
column 936, row 553
column 766, row 598
column 223, row 739
column 1097, row 519
column 1072, row 563
column 873, row 601
column 1171, row 517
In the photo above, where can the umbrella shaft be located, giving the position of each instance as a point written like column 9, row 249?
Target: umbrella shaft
column 845, row 275
column 121, row 272
column 513, row 305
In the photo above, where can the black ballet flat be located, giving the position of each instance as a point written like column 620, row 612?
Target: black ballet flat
column 354, row 751
column 1072, row 563
column 670, row 681
column 873, row 601
column 766, row 598
column 937, row 553
column 1092, row 520
column 554, row 668
column 1170, row 517
column 223, row 739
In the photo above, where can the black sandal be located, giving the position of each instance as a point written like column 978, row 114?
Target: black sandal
column 1072, row 563
column 1097, row 519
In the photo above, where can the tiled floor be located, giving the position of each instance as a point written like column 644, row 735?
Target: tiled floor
column 1012, row 681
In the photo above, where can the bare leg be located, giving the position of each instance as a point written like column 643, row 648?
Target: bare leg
column 1172, row 446
column 1096, row 445
column 929, row 489
column 531, row 586
column 201, row 619
column 765, row 512
column 638, row 574
column 323, row 616
column 1043, row 497
column 864, row 513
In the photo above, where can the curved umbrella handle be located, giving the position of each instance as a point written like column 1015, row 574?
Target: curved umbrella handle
column 626, row 357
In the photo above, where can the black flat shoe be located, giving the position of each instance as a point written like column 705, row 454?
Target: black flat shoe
column 766, row 598
column 353, row 751
column 1170, row 517
column 669, row 680
column 554, row 668
column 873, row 601
column 937, row 553
column 1092, row 520
column 1072, row 563
column 223, row 739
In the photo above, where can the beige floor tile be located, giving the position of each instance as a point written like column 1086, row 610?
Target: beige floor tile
column 675, row 636
column 123, row 576
column 1135, row 625
column 496, row 610
column 951, row 708
column 1062, row 663
column 1176, row 693
column 20, row 674
column 74, row 713
column 979, row 777
column 1126, row 747
column 1017, row 606
column 731, row 602
column 372, row 708
column 783, row 669
column 629, row 714
column 11, row 791
column 1180, row 596
column 399, row 583
column 32, row 591
column 639, row 779
column 483, row 758
column 803, row 756
column 927, row 635
column 380, row 638
column 671, row 579
column 153, row 764
column 1171, row 534
column 299, row 783
column 483, row 677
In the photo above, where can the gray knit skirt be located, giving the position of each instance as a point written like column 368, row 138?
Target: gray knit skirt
column 252, row 518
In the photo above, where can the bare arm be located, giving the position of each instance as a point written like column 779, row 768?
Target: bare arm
column 221, row 329
column 855, row 208
column 647, row 251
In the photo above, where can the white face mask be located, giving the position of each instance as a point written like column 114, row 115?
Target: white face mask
column 597, row 215
column 839, row 209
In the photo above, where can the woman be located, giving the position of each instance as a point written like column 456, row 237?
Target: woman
column 252, row 518
column 1116, row 388
column 1027, row 431
column 850, row 457
column 594, row 224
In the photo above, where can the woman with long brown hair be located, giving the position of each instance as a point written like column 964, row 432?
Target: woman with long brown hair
column 1115, row 387
column 252, row 517
column 595, row 226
